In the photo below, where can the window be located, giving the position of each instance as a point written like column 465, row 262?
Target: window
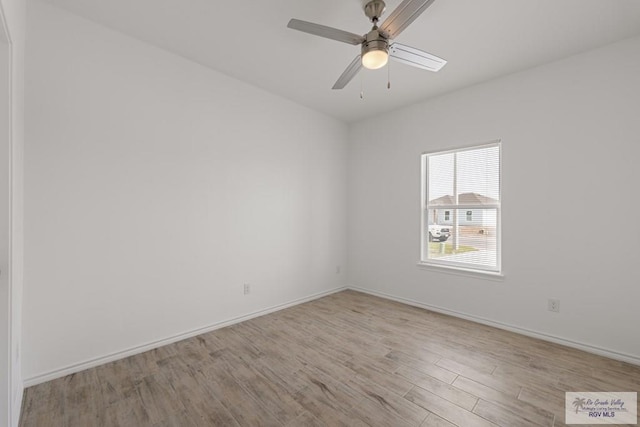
column 461, row 208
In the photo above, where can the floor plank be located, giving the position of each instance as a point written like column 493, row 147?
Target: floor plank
column 445, row 409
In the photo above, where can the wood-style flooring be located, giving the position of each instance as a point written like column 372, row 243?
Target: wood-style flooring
column 349, row 359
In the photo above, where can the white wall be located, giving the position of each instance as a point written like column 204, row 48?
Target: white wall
column 12, row 12
column 571, row 145
column 5, row 224
column 155, row 188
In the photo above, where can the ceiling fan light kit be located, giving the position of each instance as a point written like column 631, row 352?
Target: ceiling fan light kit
column 375, row 47
column 374, row 59
column 375, row 51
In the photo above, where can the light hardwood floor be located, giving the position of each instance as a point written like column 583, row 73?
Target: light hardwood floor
column 348, row 359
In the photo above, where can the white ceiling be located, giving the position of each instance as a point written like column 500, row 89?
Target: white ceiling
column 481, row 40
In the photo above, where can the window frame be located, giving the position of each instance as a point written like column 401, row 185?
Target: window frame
column 452, row 265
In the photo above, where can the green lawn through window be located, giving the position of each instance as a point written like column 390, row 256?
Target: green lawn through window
column 436, row 248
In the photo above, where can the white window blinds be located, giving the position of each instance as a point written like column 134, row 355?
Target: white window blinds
column 461, row 209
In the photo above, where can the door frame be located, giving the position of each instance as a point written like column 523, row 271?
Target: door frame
column 6, row 168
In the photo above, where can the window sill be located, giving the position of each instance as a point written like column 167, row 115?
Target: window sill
column 458, row 271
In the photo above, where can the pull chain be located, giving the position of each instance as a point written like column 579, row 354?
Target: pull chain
column 361, row 89
column 389, row 75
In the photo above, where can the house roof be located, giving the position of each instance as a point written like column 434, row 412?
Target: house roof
column 464, row 199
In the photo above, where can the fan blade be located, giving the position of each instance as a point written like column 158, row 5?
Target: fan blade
column 415, row 57
column 349, row 73
column 324, row 31
column 402, row 16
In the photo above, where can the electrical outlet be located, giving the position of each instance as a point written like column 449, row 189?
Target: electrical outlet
column 554, row 305
column 247, row 288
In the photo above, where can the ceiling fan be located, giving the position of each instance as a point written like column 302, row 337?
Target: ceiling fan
column 376, row 49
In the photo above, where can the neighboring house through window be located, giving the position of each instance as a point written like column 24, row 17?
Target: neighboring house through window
column 461, row 208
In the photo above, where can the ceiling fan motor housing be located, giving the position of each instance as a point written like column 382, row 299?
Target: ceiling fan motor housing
column 375, row 41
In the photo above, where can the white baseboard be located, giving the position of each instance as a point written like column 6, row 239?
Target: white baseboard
column 523, row 331
column 91, row 363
